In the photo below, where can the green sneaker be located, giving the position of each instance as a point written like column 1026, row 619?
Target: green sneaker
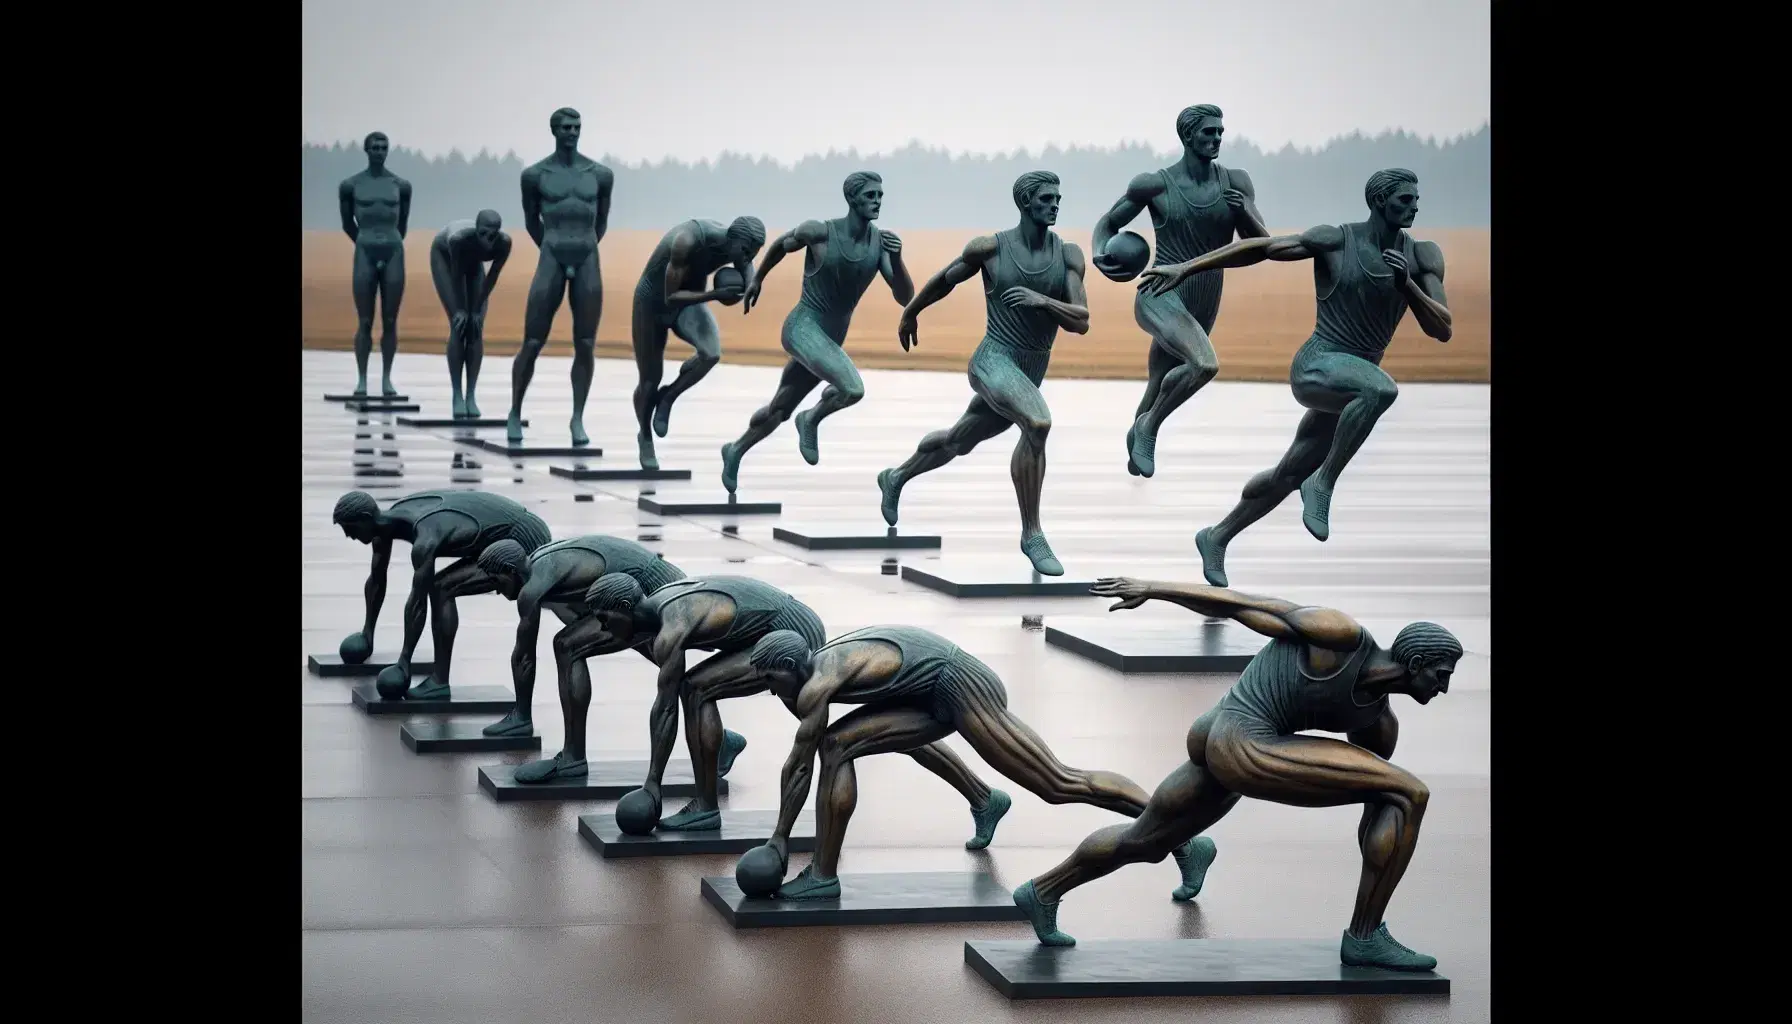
column 1380, row 950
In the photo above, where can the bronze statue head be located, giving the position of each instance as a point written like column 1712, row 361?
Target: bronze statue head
column 507, row 564
column 865, row 193
column 376, row 146
column 1428, row 654
column 487, row 227
column 1037, row 195
column 784, row 658
column 358, row 515
column 745, row 236
column 1201, row 129
column 565, row 124
column 1393, row 195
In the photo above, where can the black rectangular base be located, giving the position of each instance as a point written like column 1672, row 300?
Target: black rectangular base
column 740, row 832
column 381, row 406
column 714, row 507
column 428, row 737
column 1018, row 583
column 1121, row 968
column 331, row 666
column 526, row 451
column 367, row 398
column 848, row 538
column 1135, row 647
column 462, row 700
column 905, row 898
column 607, row 780
column 619, row 473
column 453, row 421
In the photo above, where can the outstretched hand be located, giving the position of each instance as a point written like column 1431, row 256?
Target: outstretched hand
column 1396, row 261
column 1131, row 592
column 1018, row 297
column 906, row 332
column 1160, row 279
column 751, row 299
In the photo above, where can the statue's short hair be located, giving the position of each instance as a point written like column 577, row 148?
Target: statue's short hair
column 1429, row 642
column 1028, row 185
column 489, row 219
column 563, row 114
column 355, row 506
column 367, row 143
column 748, row 229
column 614, row 592
column 503, row 556
column 1189, row 121
column 857, row 181
column 1383, row 184
column 781, row 649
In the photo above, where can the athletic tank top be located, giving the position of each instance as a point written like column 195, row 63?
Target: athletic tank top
column 1277, row 689
column 1189, row 229
column 499, row 518
column 710, row 256
column 1025, row 329
column 759, row 608
column 619, row 555
column 927, row 658
column 833, row 288
column 1362, row 308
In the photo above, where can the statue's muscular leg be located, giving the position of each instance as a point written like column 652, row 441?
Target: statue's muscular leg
column 520, row 721
column 861, row 732
column 580, row 640
column 696, row 326
column 792, row 386
column 1011, row 395
column 978, row 424
column 988, row 805
column 1184, row 805
column 1359, row 392
column 827, row 360
column 1263, row 492
column 1248, row 758
column 473, row 338
column 649, row 327
column 462, row 579
column 1158, row 363
column 718, row 677
column 391, row 298
column 441, row 274
column 1176, row 331
column 366, row 284
column 587, row 297
column 546, row 289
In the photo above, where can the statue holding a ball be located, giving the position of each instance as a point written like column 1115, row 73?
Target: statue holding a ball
column 436, row 524
column 1196, row 207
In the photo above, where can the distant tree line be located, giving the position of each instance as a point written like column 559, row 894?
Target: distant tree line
column 931, row 188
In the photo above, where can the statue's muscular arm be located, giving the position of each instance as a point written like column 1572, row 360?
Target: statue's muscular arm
column 375, row 590
column 434, row 533
column 500, row 256
column 345, row 198
column 532, row 203
column 1245, row 217
column 894, row 270
column 682, row 622
column 797, row 239
column 606, row 183
column 1309, row 244
column 1273, row 617
column 1139, row 194
column 678, row 268
column 830, row 671
column 543, row 578
column 404, row 207
column 969, row 263
column 1425, row 291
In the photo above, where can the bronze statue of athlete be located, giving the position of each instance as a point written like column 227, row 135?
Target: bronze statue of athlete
column 1367, row 275
column 457, row 260
column 566, row 209
column 1321, row 671
column 915, row 687
column 1032, row 286
column 728, row 615
column 670, row 296
column 376, row 214
column 1196, row 206
column 437, row 524
column 841, row 258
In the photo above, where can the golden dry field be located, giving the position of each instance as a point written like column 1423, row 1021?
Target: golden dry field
column 1266, row 313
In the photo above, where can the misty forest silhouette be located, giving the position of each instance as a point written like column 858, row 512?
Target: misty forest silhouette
column 931, row 188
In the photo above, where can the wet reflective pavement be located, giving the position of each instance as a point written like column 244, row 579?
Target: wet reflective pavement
column 425, row 900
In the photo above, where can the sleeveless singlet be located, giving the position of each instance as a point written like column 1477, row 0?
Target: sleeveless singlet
column 759, row 609
column 833, row 288
column 928, row 661
column 1277, row 689
column 1360, row 311
column 1188, row 229
column 499, row 518
column 619, row 555
column 1027, row 330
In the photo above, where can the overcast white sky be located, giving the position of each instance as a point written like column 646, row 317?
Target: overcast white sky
column 785, row 78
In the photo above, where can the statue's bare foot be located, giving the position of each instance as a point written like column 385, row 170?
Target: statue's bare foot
column 387, row 389
column 1381, row 950
column 1213, row 557
column 648, row 459
column 361, row 388
column 1316, row 507
column 513, row 428
column 730, row 467
column 806, row 441
column 693, row 819
column 1039, row 552
column 1043, row 915
column 805, row 886
column 986, row 819
column 553, row 769
column 662, row 411
column 428, row 689
column 458, row 407
column 1193, row 860
column 517, row 723
column 579, row 440
column 891, row 485
column 472, row 407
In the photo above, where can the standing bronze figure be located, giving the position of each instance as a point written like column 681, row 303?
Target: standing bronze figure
column 376, row 214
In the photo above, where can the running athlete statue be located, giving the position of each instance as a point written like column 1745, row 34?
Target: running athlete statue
column 915, row 687
column 437, row 524
column 556, row 577
column 1321, row 671
column 1196, row 206
column 566, row 209
column 376, row 213
column 842, row 257
column 457, row 260
column 727, row 615
column 670, row 297
column 1032, row 286
column 1367, row 275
